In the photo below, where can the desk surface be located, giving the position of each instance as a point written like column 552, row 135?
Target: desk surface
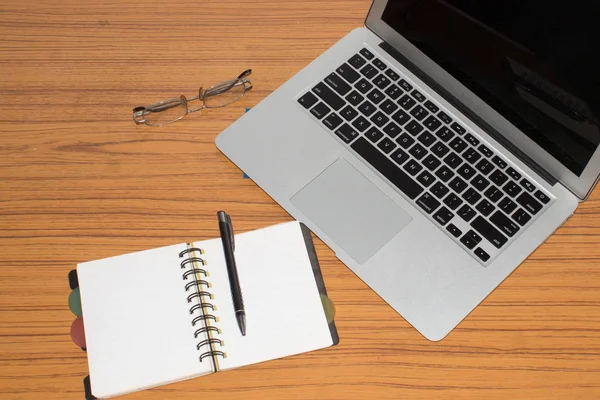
column 80, row 181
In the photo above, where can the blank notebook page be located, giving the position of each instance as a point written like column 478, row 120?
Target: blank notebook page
column 284, row 312
column 137, row 322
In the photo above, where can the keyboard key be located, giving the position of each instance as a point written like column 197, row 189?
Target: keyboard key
column 375, row 96
column 471, row 196
column 357, row 61
column 472, row 139
column 507, row 205
column 348, row 73
column 401, row 117
column 405, row 140
column 363, row 85
column 479, row 252
column 386, row 145
column 428, row 203
column 354, row 98
column 457, row 128
column 373, row 134
column 431, row 162
column 392, row 75
column 454, row 231
column 529, row 203
column 432, row 123
column 444, row 117
column 443, row 216
column 379, row 119
column 499, row 162
column 511, row 189
column 338, row 84
column 381, row 81
column 425, row 178
column 320, row 110
column 498, row 177
column 452, row 160
column 452, row 201
column 439, row 190
column 440, row 149
column 488, row 231
column 412, row 167
column 399, row 156
column 419, row 112
column 444, row 133
column 485, row 207
column 361, row 123
column 486, row 152
column 332, row 121
column 470, row 239
column 493, row 193
column 379, row 64
column 392, row 130
column 348, row 113
column 444, row 173
column 513, row 174
column 388, row 106
column 426, row 138
column 541, row 196
column 366, row 53
column 521, row 217
column 471, row 155
column 367, row 108
column 393, row 91
column 431, row 107
column 405, row 85
column 480, row 183
column 406, row 102
column 505, row 224
column 417, row 95
column 466, row 171
column 458, row 185
column 308, row 100
column 369, row 71
column 413, row 127
column 484, row 166
column 329, row 96
column 347, row 133
column 418, row 151
column 466, row 213
column 527, row 185
column 387, row 168
column 458, row 144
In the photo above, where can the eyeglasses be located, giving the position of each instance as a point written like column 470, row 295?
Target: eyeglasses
column 174, row 109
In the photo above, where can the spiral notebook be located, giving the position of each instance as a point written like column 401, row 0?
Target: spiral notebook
column 164, row 315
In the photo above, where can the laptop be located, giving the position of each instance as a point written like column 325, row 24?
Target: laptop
column 435, row 148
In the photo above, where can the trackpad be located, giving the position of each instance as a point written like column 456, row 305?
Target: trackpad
column 351, row 210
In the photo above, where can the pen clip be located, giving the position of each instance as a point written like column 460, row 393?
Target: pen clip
column 231, row 234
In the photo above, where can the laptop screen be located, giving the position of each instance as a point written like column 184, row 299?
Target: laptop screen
column 536, row 62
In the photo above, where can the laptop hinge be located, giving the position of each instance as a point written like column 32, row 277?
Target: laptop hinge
column 468, row 112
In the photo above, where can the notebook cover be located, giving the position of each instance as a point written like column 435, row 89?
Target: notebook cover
column 314, row 261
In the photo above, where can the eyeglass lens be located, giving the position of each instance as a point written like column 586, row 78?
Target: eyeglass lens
column 165, row 112
column 224, row 93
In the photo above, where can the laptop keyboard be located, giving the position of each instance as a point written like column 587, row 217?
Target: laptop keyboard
column 476, row 196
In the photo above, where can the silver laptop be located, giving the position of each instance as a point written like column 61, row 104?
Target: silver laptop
column 435, row 148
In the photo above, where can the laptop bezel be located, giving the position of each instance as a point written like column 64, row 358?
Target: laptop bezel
column 580, row 186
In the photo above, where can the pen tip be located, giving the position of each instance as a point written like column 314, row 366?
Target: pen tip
column 242, row 323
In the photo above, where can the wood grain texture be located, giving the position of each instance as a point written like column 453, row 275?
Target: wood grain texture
column 80, row 181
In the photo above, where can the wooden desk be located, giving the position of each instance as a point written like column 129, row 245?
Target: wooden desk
column 80, row 181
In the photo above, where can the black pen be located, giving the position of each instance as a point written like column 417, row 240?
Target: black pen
column 228, row 239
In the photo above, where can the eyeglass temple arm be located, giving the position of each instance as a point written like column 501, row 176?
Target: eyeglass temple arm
column 245, row 74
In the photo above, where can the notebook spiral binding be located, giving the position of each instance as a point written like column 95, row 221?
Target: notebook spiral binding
column 201, row 308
